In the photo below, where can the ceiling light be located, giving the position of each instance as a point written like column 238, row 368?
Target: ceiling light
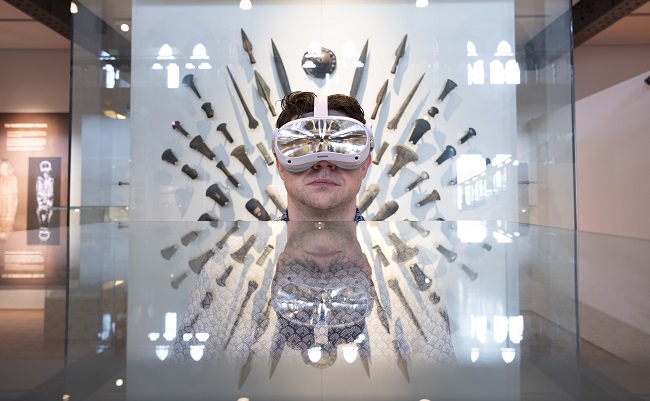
column 421, row 3
column 245, row 4
column 73, row 7
column 110, row 113
column 125, row 27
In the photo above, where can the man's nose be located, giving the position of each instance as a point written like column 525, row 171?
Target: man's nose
column 323, row 164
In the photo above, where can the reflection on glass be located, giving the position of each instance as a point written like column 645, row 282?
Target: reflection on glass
column 110, row 76
column 162, row 351
column 44, row 199
column 173, row 76
column 197, row 351
column 500, row 328
column 508, row 354
column 170, row 326
column 199, row 53
column 165, row 53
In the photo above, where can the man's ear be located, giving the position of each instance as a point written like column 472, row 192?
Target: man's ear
column 279, row 167
column 366, row 165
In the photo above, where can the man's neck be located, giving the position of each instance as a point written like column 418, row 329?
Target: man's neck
column 299, row 212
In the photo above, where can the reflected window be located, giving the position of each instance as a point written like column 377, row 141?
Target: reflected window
column 512, row 73
column 504, row 69
column 165, row 52
column 471, row 49
column 110, row 76
column 471, row 232
column 476, row 73
column 475, row 68
column 199, row 53
column 173, row 76
column 504, row 49
column 469, row 166
column 349, row 50
column 170, row 326
column 497, row 73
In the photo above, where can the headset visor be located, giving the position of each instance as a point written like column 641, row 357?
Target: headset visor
column 342, row 141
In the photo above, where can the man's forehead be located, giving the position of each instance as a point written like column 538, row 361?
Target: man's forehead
column 330, row 112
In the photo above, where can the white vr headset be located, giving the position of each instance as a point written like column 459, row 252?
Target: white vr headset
column 335, row 138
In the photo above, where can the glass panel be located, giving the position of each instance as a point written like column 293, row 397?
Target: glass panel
column 458, row 310
column 545, row 113
column 469, row 310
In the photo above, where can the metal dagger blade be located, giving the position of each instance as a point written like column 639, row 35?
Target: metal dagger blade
column 279, row 67
column 252, row 122
column 252, row 286
column 358, row 72
column 392, row 124
column 264, row 91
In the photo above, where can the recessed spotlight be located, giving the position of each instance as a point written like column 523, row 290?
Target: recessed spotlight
column 125, row 27
column 73, row 7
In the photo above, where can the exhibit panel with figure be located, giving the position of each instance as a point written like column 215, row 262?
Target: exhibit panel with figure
column 33, row 196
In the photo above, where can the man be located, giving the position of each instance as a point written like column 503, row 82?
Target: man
column 323, row 152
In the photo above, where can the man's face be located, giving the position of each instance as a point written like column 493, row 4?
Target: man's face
column 324, row 186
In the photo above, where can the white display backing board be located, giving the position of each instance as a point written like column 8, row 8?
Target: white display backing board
column 437, row 46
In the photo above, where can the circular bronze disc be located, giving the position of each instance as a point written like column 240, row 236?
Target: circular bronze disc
column 319, row 67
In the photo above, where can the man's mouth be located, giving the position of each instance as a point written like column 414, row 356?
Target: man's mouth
column 323, row 182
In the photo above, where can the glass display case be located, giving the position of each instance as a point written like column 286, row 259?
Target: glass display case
column 173, row 102
column 470, row 104
column 159, row 289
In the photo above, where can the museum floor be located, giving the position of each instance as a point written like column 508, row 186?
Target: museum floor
column 270, row 311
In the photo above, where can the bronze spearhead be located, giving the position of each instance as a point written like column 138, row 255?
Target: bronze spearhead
column 248, row 46
column 399, row 52
column 264, row 91
column 380, row 99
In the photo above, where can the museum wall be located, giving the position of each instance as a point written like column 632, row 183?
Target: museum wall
column 611, row 158
column 612, row 193
column 32, row 81
column 35, row 81
column 611, row 163
column 598, row 67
